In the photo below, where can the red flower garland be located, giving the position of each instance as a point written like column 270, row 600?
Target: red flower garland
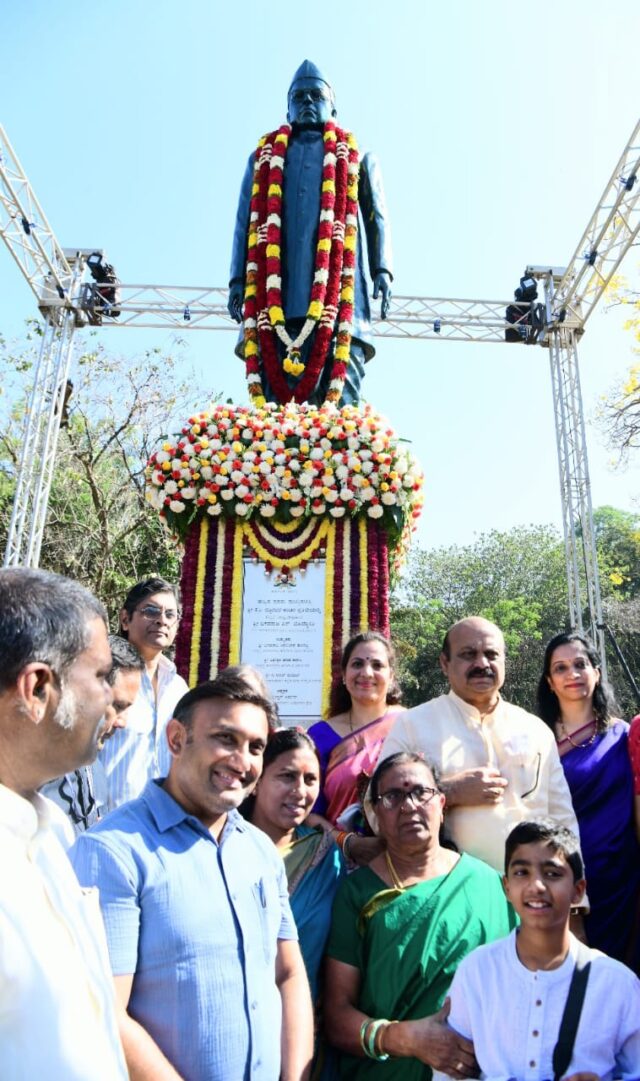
column 332, row 291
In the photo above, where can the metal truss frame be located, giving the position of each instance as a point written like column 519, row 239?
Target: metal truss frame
column 612, row 230
column 575, row 489
column 25, row 229
column 40, row 443
column 55, row 276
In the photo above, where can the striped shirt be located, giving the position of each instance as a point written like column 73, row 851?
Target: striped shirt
column 138, row 753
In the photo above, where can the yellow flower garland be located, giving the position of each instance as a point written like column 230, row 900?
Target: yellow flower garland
column 346, row 581
column 236, row 604
column 217, row 588
column 328, row 616
column 288, row 561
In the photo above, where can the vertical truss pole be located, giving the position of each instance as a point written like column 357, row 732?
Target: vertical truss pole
column 575, row 489
column 39, row 444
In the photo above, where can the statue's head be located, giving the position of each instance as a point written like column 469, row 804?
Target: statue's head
column 311, row 100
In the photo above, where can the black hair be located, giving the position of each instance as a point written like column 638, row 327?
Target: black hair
column 124, row 658
column 281, row 741
column 604, row 703
column 340, row 699
column 284, row 740
column 402, row 758
column 545, row 830
column 141, row 591
column 43, row 617
column 229, row 686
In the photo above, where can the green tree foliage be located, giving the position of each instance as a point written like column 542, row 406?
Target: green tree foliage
column 517, row 579
column 618, row 543
column 100, row 529
column 619, row 412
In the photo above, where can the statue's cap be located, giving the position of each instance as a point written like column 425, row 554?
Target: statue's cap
column 308, row 70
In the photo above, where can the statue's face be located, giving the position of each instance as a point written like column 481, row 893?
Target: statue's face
column 310, row 102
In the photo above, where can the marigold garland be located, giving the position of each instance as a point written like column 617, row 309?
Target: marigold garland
column 332, row 290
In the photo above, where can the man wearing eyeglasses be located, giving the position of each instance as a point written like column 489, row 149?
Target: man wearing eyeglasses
column 499, row 764
column 136, row 754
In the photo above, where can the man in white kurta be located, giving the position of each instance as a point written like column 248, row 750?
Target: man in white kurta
column 57, row 999
column 498, row 763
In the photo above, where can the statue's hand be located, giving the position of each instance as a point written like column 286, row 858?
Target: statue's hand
column 382, row 286
column 234, row 303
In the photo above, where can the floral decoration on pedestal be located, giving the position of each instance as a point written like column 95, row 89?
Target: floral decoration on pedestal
column 282, row 486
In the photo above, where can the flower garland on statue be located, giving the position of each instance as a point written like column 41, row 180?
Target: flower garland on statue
column 286, row 463
column 332, row 291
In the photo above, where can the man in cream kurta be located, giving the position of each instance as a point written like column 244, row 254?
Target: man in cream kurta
column 498, row 764
column 58, row 1015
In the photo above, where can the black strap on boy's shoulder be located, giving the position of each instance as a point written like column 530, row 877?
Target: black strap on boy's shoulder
column 563, row 1050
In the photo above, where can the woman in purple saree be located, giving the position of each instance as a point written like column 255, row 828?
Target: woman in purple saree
column 360, row 717
column 593, row 746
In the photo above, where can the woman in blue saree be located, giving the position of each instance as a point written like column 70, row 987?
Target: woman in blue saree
column 283, row 798
column 579, row 707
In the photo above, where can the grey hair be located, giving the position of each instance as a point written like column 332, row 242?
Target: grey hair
column 43, row 617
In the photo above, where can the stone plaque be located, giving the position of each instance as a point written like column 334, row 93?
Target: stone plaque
column 283, row 636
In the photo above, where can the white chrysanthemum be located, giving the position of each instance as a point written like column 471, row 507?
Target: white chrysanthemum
column 214, row 508
column 176, row 506
column 337, row 512
column 375, row 512
column 297, row 512
column 241, row 509
column 389, row 498
column 227, row 493
column 170, row 487
column 189, row 493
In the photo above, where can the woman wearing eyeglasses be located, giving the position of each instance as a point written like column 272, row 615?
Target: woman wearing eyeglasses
column 135, row 754
column 400, row 928
column 579, row 707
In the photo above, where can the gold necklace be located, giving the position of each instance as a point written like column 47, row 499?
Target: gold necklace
column 585, row 743
column 392, row 871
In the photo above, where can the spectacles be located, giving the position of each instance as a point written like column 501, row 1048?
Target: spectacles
column 153, row 612
column 395, row 797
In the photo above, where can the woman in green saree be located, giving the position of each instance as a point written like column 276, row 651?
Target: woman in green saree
column 400, row 928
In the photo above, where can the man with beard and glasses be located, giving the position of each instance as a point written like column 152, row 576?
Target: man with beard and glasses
column 82, row 794
column 208, row 971
column 57, row 1007
column 499, row 764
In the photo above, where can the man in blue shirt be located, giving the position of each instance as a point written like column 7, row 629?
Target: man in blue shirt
column 201, row 938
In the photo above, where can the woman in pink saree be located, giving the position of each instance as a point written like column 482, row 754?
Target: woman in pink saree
column 362, row 709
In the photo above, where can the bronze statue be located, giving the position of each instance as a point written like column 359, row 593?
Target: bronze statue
column 297, row 267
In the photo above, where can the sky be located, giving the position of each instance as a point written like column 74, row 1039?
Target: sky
column 497, row 127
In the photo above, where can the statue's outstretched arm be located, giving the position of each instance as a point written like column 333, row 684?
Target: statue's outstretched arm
column 375, row 217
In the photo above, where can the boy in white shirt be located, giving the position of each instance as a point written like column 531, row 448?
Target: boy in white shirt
column 509, row 997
